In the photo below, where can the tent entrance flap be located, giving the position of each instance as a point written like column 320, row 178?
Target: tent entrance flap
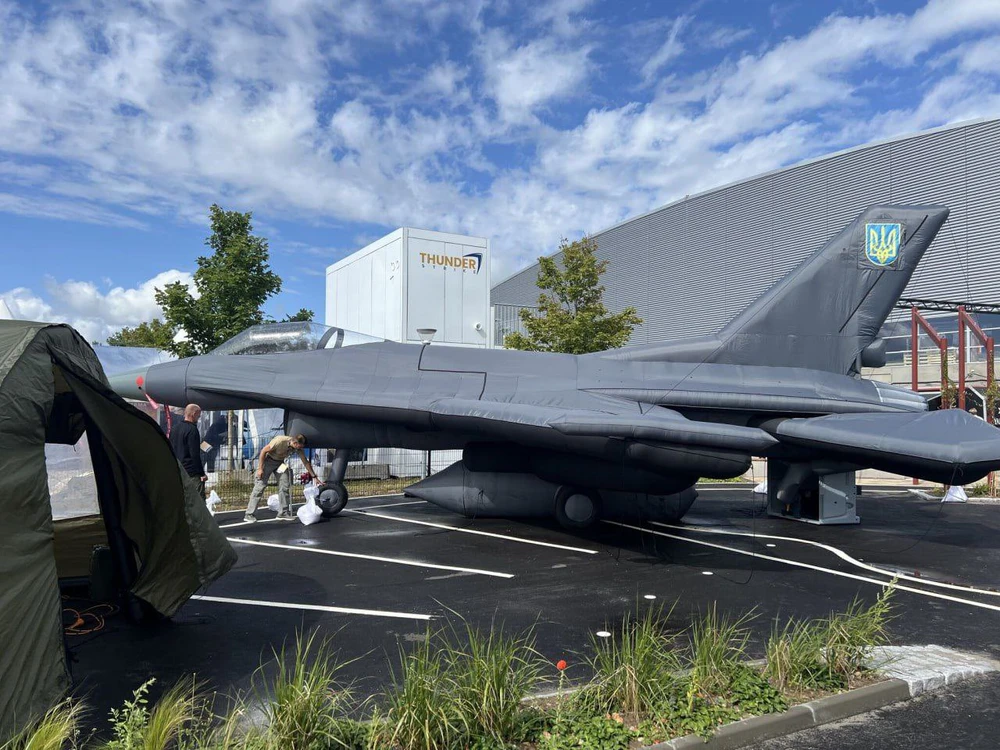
column 109, row 501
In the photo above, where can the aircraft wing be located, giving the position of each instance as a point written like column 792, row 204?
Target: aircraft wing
column 504, row 419
column 949, row 446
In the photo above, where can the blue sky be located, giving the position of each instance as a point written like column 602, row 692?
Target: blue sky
column 121, row 121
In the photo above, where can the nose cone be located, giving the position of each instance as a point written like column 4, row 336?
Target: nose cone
column 131, row 384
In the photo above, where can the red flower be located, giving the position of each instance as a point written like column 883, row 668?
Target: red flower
column 561, row 665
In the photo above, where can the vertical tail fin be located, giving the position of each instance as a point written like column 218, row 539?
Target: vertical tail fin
column 825, row 314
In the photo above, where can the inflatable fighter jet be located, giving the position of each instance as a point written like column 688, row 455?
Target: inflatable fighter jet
column 624, row 433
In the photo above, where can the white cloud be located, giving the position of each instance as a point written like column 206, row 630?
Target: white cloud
column 132, row 113
column 671, row 48
column 94, row 313
column 522, row 78
column 724, row 36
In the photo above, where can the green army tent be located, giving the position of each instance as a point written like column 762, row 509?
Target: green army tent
column 164, row 543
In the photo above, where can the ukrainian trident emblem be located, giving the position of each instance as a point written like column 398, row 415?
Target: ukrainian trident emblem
column 882, row 243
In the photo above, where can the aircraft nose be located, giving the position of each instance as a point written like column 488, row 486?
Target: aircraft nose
column 130, row 384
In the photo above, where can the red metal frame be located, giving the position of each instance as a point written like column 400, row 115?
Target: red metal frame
column 966, row 320
column 918, row 322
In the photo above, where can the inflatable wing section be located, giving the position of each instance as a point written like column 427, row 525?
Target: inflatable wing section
column 949, row 446
column 660, row 441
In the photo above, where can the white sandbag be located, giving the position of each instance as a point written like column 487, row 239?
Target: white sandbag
column 211, row 501
column 311, row 493
column 955, row 494
column 274, row 503
column 761, row 489
column 309, row 513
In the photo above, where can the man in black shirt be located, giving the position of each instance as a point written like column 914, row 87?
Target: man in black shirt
column 186, row 442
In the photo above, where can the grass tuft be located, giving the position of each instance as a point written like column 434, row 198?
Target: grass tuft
column 172, row 723
column 302, row 700
column 489, row 675
column 794, row 655
column 718, row 648
column 421, row 714
column 56, row 730
column 634, row 671
column 850, row 637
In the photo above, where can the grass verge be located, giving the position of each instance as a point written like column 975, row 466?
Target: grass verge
column 465, row 688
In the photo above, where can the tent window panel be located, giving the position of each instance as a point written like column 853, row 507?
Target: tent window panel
column 72, row 488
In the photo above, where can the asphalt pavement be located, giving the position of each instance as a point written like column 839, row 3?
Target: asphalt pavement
column 377, row 577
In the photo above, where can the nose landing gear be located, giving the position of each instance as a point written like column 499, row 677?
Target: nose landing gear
column 333, row 495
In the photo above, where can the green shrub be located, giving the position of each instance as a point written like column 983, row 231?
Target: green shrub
column 576, row 730
column 56, row 730
column 752, row 693
column 178, row 717
column 635, row 670
column 682, row 716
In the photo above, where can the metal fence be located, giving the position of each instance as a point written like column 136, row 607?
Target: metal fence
column 232, row 442
column 507, row 319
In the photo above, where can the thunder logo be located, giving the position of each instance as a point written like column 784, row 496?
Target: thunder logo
column 468, row 262
column 882, row 243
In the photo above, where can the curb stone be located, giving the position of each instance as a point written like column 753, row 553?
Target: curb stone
column 803, row 716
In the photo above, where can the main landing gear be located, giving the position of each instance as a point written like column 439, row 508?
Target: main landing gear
column 577, row 508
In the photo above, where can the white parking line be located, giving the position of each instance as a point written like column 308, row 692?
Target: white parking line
column 312, row 607
column 393, row 505
column 248, row 523
column 393, row 560
column 475, row 531
column 839, row 553
column 808, row 566
column 296, row 505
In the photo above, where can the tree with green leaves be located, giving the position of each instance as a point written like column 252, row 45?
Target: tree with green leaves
column 231, row 285
column 155, row 334
column 303, row 315
column 571, row 315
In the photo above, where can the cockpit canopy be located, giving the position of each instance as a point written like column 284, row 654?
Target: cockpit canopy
column 299, row 336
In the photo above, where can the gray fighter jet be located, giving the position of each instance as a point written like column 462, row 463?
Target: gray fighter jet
column 624, row 433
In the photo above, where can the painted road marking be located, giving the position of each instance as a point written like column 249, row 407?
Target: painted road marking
column 839, row 553
column 808, row 566
column 377, row 558
column 474, row 531
column 393, row 505
column 249, row 523
column 312, row 607
column 293, row 506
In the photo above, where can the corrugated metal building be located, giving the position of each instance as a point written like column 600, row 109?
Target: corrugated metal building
column 692, row 265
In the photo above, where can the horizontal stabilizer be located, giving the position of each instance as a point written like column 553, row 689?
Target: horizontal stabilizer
column 949, row 446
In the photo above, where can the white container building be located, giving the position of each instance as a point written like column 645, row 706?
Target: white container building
column 412, row 279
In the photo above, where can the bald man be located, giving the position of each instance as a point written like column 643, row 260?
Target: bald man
column 186, row 442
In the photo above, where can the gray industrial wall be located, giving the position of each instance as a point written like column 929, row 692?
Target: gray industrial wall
column 692, row 265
